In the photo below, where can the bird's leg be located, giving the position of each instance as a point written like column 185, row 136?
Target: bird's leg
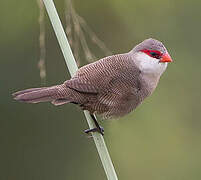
column 98, row 127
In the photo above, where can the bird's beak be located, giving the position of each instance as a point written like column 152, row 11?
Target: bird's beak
column 165, row 58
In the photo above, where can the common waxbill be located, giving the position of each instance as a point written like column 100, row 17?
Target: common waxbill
column 112, row 86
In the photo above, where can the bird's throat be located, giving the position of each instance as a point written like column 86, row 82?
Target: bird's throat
column 149, row 66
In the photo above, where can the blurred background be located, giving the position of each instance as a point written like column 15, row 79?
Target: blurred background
column 161, row 140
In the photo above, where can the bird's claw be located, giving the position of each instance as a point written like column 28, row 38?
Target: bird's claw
column 99, row 129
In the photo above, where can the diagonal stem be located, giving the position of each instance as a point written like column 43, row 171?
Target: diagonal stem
column 70, row 61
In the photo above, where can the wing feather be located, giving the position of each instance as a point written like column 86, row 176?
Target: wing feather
column 106, row 75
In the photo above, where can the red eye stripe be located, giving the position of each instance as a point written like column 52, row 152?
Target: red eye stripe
column 153, row 53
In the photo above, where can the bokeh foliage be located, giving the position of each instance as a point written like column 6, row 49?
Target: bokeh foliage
column 159, row 141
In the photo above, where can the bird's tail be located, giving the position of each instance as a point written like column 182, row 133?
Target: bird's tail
column 36, row 95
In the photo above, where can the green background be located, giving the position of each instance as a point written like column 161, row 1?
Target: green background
column 161, row 140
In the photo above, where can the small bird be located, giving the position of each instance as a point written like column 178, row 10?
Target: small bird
column 112, row 86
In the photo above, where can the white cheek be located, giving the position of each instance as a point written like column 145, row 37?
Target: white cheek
column 149, row 65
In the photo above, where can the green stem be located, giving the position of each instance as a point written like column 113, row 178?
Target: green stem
column 72, row 66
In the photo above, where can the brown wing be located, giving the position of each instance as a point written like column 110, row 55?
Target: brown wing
column 114, row 81
column 104, row 74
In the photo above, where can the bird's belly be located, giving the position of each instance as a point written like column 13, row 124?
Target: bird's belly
column 114, row 105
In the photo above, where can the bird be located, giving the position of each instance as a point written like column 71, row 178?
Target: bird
column 112, row 86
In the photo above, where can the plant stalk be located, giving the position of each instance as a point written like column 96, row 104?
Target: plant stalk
column 72, row 67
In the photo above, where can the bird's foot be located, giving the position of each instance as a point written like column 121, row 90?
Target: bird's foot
column 97, row 129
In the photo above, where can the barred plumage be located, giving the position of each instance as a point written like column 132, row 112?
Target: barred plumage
column 112, row 86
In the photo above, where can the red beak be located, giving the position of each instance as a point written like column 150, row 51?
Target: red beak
column 166, row 58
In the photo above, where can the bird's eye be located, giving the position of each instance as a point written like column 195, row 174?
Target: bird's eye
column 155, row 54
column 152, row 53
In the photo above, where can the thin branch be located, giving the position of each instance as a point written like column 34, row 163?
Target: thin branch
column 73, row 39
column 41, row 62
column 94, row 38
column 77, row 31
column 70, row 61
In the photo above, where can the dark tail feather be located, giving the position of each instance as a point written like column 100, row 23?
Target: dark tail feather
column 58, row 102
column 36, row 95
column 26, row 91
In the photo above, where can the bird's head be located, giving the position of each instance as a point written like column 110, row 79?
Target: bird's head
column 151, row 56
